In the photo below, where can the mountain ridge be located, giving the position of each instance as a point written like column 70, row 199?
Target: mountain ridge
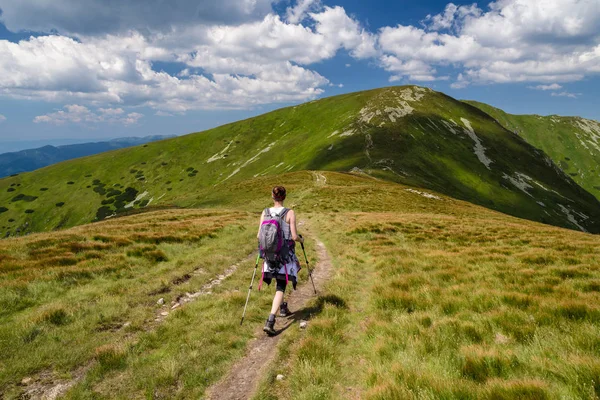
column 572, row 142
column 408, row 134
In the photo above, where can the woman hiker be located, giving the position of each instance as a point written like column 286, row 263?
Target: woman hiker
column 288, row 268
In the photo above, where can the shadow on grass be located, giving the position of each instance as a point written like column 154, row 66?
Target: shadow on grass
column 306, row 313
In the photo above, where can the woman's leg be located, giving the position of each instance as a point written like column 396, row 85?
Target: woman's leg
column 277, row 300
column 270, row 324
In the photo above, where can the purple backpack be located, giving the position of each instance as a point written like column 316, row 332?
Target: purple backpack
column 274, row 248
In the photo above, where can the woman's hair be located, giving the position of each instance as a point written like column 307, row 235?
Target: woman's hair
column 279, row 193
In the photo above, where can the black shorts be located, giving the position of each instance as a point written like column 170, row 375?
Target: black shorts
column 280, row 279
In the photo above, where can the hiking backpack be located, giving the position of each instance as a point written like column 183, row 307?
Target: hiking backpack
column 274, row 249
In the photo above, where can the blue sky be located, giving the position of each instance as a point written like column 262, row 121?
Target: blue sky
column 109, row 68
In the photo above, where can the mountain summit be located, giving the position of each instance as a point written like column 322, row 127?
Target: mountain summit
column 409, row 135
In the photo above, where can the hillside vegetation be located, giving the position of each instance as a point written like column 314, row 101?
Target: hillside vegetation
column 573, row 143
column 409, row 135
column 431, row 297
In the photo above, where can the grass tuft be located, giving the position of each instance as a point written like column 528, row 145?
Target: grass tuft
column 111, row 357
column 480, row 364
column 518, row 390
column 56, row 317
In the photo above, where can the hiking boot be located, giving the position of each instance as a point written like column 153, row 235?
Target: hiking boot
column 284, row 311
column 270, row 326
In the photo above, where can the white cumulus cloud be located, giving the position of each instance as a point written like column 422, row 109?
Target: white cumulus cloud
column 241, row 53
column 255, row 62
column 297, row 13
column 545, row 41
column 78, row 114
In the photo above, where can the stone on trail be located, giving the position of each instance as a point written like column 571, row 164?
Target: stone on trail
column 280, row 377
column 160, row 301
column 303, row 324
column 164, row 313
column 27, row 380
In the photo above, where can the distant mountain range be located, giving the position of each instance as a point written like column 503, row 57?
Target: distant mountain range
column 32, row 159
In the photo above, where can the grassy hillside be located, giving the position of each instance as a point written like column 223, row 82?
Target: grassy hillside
column 409, row 135
column 573, row 143
column 435, row 306
column 432, row 297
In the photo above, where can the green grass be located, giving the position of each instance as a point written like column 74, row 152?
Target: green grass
column 429, row 298
column 429, row 148
column 573, row 143
column 77, row 289
column 440, row 306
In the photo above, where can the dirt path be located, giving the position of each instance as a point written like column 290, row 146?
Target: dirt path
column 320, row 179
column 46, row 385
column 163, row 313
column 244, row 377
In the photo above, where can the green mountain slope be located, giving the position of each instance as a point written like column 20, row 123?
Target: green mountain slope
column 409, row 135
column 573, row 143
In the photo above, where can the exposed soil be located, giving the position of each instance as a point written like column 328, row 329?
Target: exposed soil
column 242, row 380
column 163, row 313
column 46, row 385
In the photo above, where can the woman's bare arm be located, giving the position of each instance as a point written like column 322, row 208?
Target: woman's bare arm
column 295, row 236
column 262, row 218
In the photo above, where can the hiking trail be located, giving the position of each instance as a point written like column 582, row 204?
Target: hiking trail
column 321, row 180
column 244, row 376
column 47, row 385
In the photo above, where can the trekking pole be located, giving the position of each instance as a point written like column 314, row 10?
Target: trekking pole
column 308, row 267
column 250, row 289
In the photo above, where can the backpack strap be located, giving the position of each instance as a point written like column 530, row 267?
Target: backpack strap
column 262, row 278
column 267, row 212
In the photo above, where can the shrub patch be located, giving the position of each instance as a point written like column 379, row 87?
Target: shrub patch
column 23, row 197
column 103, row 212
column 113, row 192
